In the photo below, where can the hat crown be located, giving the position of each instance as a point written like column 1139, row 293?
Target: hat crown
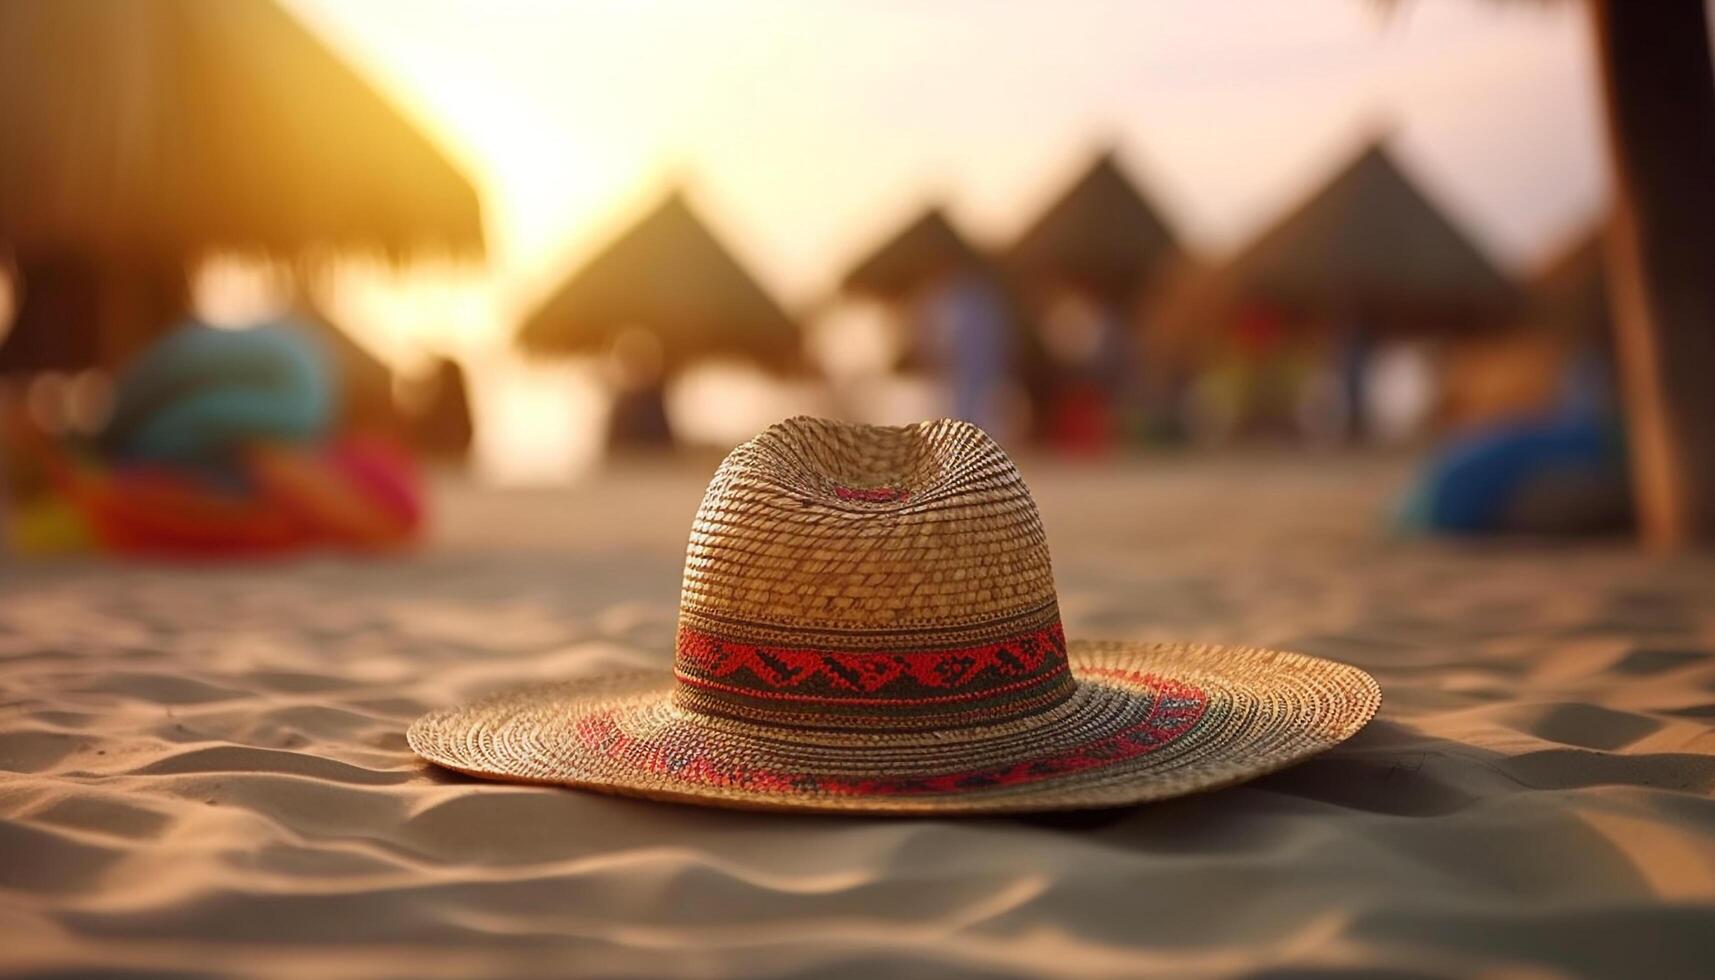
column 843, row 574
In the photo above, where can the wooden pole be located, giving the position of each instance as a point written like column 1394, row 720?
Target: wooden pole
column 1660, row 93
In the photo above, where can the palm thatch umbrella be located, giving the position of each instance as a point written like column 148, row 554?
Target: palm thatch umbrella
column 670, row 276
column 923, row 252
column 926, row 248
column 1370, row 244
column 143, row 134
column 1102, row 235
column 1367, row 255
column 1090, row 260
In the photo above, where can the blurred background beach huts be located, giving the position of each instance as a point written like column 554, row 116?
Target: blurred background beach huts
column 530, row 239
column 1089, row 266
column 662, row 297
column 146, row 138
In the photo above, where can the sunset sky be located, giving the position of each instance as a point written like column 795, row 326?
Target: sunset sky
column 807, row 130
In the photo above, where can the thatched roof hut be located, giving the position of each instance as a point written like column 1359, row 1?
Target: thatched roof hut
column 1100, row 235
column 142, row 135
column 1371, row 244
column 927, row 247
column 670, row 275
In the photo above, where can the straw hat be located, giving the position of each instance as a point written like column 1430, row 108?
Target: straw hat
column 868, row 624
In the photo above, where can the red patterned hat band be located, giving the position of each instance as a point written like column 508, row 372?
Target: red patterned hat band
column 895, row 582
column 942, row 679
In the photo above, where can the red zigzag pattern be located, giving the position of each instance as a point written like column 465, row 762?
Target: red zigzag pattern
column 1174, row 709
column 703, row 656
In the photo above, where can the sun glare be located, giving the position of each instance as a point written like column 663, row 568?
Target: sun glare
column 806, row 132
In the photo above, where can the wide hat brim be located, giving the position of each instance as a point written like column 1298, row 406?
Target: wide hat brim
column 1145, row 722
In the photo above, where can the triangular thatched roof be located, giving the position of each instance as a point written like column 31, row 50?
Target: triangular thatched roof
column 1371, row 240
column 138, row 136
column 668, row 274
column 174, row 127
column 926, row 247
column 924, row 250
column 1101, row 234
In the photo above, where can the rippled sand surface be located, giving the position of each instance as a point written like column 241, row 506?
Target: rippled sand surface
column 203, row 771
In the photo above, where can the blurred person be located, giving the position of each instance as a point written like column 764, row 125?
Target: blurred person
column 441, row 428
column 1268, row 374
column 1400, row 388
column 639, row 416
column 1211, row 405
column 1088, row 264
column 1353, row 350
column 965, row 317
column 366, row 399
column 919, row 276
column 664, row 295
column 1091, row 357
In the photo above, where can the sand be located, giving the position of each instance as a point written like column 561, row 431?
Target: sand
column 203, row 771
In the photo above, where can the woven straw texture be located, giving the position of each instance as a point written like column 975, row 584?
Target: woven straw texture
column 822, row 525
column 1264, row 710
column 868, row 624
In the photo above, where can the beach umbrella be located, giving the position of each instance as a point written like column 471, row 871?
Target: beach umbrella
column 143, row 134
column 670, row 276
column 1101, row 234
column 927, row 247
column 1371, row 243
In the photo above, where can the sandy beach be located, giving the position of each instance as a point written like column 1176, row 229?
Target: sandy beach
column 203, row 770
